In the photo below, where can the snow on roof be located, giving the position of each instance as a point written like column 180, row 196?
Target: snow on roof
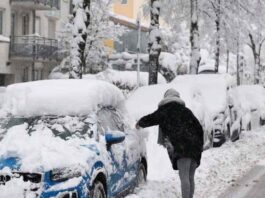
column 60, row 97
column 249, row 97
column 4, row 39
column 212, row 88
column 123, row 20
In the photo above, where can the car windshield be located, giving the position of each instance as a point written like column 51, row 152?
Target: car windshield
column 65, row 127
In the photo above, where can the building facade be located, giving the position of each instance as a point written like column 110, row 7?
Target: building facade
column 126, row 12
column 28, row 38
column 29, row 31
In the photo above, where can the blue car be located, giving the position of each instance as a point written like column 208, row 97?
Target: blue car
column 68, row 139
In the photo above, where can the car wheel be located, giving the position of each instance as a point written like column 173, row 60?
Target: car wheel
column 98, row 190
column 141, row 177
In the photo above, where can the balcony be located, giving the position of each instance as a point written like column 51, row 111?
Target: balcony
column 36, row 4
column 34, row 48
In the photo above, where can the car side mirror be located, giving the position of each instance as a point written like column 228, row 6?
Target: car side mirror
column 114, row 138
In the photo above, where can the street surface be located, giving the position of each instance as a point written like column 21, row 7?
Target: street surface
column 252, row 185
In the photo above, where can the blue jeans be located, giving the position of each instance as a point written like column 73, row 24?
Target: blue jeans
column 187, row 168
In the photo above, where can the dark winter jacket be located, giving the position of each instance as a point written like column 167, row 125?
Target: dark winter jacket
column 180, row 127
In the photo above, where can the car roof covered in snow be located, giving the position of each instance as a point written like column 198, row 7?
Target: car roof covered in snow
column 60, row 97
column 212, row 88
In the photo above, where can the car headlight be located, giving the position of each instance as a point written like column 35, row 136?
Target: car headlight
column 63, row 174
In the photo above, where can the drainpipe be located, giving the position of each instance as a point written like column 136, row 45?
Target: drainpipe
column 34, row 46
column 138, row 50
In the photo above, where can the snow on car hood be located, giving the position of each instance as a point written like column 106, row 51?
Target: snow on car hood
column 60, row 97
column 41, row 151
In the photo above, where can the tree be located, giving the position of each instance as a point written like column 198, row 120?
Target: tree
column 100, row 29
column 154, row 45
column 194, row 38
column 253, row 31
column 81, row 21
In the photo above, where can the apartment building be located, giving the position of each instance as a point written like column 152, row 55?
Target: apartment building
column 29, row 32
column 126, row 12
column 28, row 38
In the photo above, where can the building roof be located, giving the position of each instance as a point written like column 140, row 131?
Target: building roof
column 127, row 22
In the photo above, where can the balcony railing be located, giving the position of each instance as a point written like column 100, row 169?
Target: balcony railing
column 34, row 48
column 37, row 4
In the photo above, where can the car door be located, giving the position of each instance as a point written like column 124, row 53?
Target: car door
column 108, row 122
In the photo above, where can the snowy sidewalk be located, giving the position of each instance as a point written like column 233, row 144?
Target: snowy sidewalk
column 219, row 170
column 250, row 185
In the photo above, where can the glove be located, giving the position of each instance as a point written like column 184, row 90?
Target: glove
column 137, row 126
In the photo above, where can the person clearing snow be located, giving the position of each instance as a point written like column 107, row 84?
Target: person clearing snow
column 181, row 133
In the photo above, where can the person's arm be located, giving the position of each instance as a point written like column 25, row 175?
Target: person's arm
column 149, row 120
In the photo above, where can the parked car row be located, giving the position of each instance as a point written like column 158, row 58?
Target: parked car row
column 248, row 105
column 223, row 109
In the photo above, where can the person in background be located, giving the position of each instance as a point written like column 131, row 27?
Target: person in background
column 181, row 133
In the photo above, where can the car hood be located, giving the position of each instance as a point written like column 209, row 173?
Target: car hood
column 12, row 163
column 41, row 151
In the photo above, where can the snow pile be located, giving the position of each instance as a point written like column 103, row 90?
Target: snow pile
column 41, row 151
column 125, row 80
column 16, row 188
column 60, row 97
column 219, row 169
column 169, row 61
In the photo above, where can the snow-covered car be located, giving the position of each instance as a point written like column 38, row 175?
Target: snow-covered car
column 214, row 91
column 68, row 138
column 248, row 106
column 205, row 94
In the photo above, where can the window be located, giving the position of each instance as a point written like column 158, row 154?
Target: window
column 1, row 21
column 2, row 80
column 25, row 24
column 25, row 76
column 124, row 1
column 38, row 25
column 51, row 28
column 13, row 24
